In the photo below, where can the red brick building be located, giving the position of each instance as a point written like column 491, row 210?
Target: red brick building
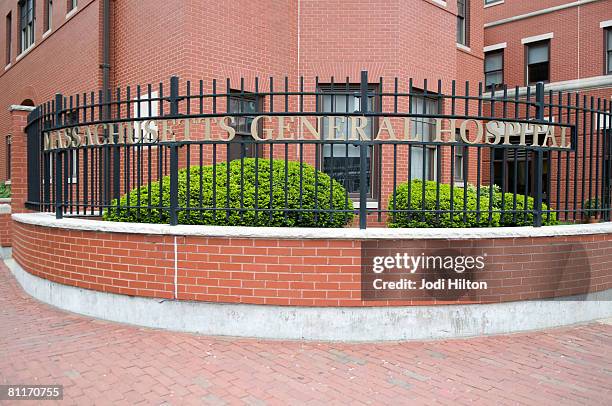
column 567, row 44
column 196, row 39
column 63, row 46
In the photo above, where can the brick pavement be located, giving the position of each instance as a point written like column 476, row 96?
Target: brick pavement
column 108, row 363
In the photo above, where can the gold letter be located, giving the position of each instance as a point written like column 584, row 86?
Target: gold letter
column 358, row 125
column 267, row 131
column 479, row 131
column 332, row 126
column 304, row 122
column 231, row 132
column 451, row 131
column 282, row 127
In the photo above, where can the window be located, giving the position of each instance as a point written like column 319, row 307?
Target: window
column 341, row 161
column 492, row 1
column 463, row 22
column 72, row 4
column 48, row 15
column 9, row 37
column 608, row 55
column 460, row 160
column 145, row 106
column 494, row 69
column 241, row 102
column 26, row 24
column 538, row 66
column 423, row 158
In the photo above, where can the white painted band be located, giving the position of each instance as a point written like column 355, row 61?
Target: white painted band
column 605, row 24
column 497, row 3
column 495, row 47
column 18, row 107
column 49, row 220
column 5, row 209
column 320, row 323
column 536, row 38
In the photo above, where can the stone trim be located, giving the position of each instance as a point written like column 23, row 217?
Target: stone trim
column 49, row 220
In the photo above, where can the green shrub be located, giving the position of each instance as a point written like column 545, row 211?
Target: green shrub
column 485, row 191
column 523, row 217
column 428, row 218
column 590, row 207
column 202, row 177
column 5, row 191
column 524, row 214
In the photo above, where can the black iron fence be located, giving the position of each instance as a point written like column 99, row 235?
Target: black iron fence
column 315, row 153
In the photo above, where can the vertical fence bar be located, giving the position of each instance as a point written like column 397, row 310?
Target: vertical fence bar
column 174, row 158
column 59, row 209
column 173, row 184
column 174, row 95
column 363, row 162
column 539, row 104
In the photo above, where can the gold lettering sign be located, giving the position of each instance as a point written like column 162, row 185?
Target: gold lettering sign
column 332, row 128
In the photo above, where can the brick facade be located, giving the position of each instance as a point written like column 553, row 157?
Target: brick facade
column 5, row 230
column 577, row 46
column 205, row 39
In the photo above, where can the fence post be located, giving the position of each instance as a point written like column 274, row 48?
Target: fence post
column 173, row 184
column 59, row 193
column 174, row 99
column 174, row 95
column 539, row 155
column 34, row 149
column 363, row 153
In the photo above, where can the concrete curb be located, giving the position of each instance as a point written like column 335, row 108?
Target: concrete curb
column 318, row 323
column 5, row 209
column 6, row 252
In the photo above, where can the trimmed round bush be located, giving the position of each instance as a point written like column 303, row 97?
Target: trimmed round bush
column 242, row 199
column 425, row 215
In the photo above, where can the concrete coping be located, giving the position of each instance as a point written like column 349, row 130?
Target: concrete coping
column 5, row 209
column 80, row 224
column 18, row 107
column 5, row 200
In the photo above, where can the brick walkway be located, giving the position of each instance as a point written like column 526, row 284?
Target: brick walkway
column 107, row 363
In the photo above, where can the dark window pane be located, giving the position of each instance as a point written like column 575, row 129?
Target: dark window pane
column 538, row 72
column 495, row 78
column 461, row 30
column 493, row 61
column 538, row 53
column 242, row 145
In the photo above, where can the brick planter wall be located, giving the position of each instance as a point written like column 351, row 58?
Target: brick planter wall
column 309, row 272
column 5, row 229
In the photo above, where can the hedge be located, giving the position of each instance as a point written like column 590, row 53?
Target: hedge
column 5, row 190
column 428, row 218
column 322, row 194
column 523, row 216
